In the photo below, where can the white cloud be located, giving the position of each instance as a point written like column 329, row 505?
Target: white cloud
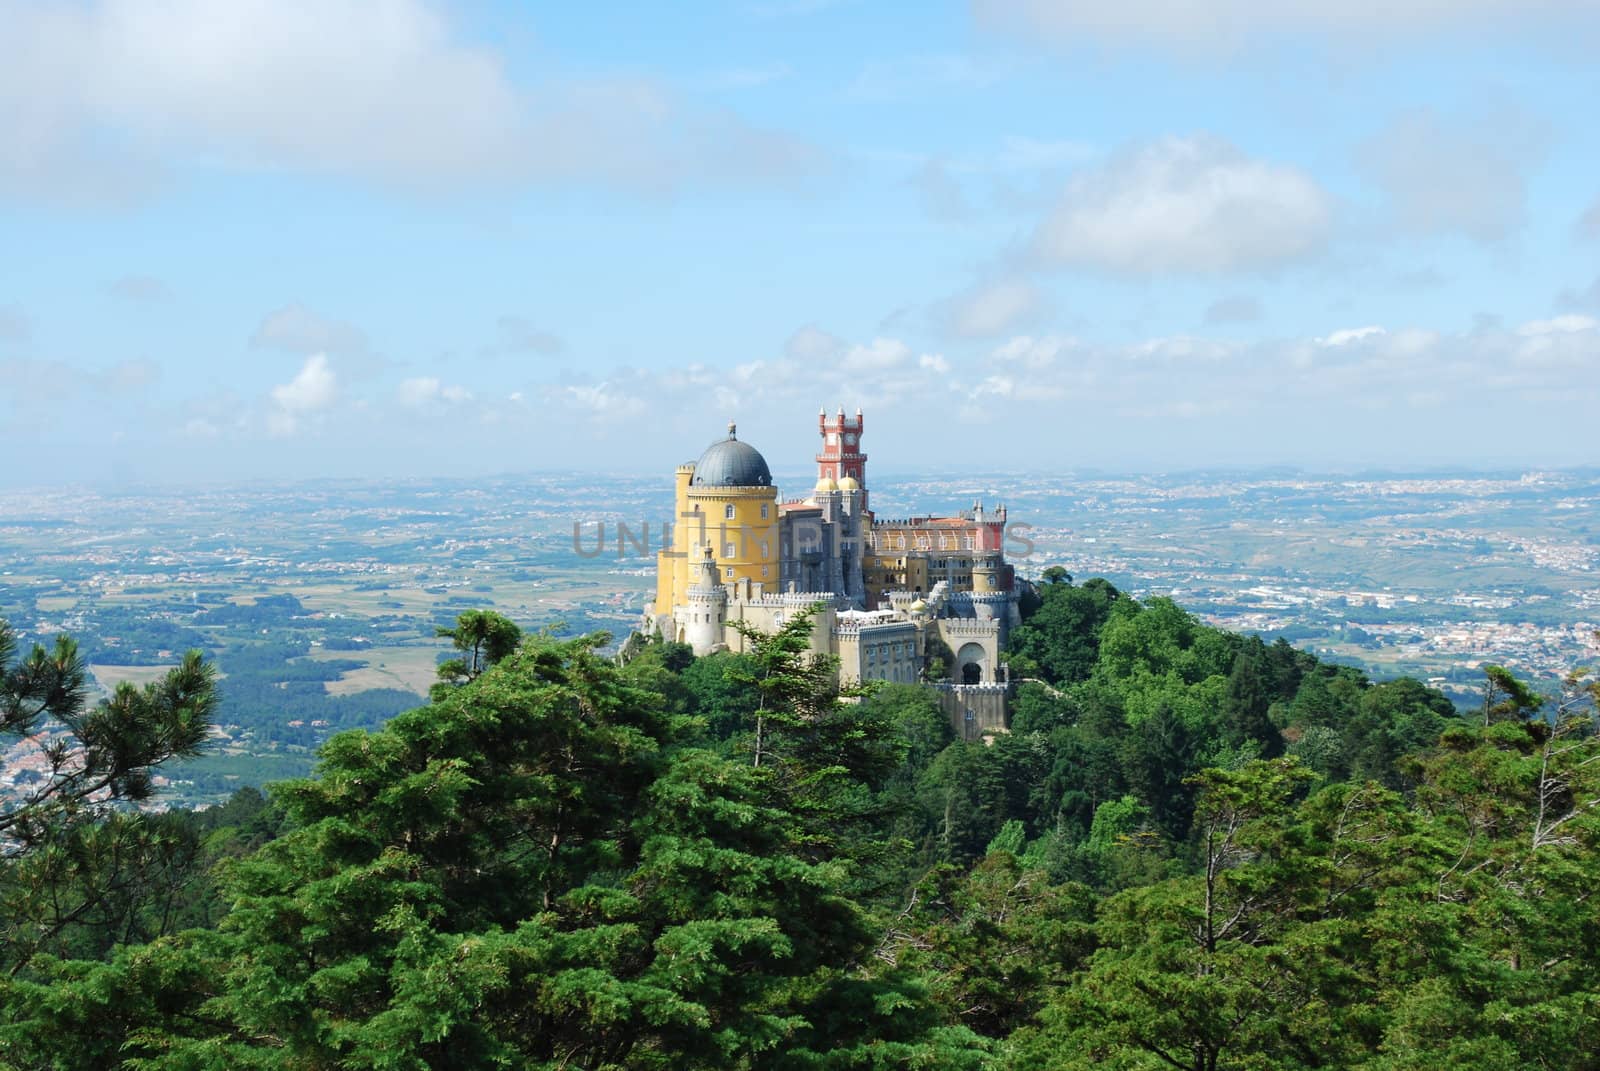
column 1185, row 205
column 1559, row 325
column 1028, row 352
column 1346, row 335
column 1444, row 177
column 994, row 308
column 313, row 389
column 1176, row 348
column 879, row 355
column 385, row 89
column 420, row 391
column 995, row 387
column 812, row 343
column 601, row 400
column 1230, row 23
column 417, row 392
column 816, row 368
column 1567, row 347
column 1352, row 368
column 296, row 329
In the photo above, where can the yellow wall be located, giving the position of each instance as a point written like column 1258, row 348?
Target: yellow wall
column 754, row 554
column 895, row 571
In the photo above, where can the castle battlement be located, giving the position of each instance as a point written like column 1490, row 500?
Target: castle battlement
column 847, row 628
column 969, row 598
column 922, row 522
column 969, row 626
column 793, row 600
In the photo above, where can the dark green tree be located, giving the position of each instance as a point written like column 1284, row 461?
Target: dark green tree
column 483, row 637
column 71, row 868
column 1247, row 701
column 1062, row 638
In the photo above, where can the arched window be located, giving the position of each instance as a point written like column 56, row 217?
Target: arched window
column 727, row 512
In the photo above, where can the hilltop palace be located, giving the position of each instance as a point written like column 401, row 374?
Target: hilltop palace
column 887, row 588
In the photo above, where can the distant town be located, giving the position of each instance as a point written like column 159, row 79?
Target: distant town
column 320, row 601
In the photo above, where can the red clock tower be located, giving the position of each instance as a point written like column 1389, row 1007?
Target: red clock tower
column 841, row 454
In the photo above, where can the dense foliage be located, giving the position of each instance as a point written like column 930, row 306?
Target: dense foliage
column 1194, row 850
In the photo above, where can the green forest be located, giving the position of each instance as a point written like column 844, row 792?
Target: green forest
column 1194, row 850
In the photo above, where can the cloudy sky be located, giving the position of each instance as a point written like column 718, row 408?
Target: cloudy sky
column 264, row 238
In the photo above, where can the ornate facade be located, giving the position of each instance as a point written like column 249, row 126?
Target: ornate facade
column 894, row 592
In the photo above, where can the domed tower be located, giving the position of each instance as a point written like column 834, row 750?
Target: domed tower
column 727, row 505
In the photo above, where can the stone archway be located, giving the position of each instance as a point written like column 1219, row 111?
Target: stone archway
column 972, row 664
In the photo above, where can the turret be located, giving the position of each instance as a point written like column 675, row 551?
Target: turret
column 706, row 609
column 840, row 457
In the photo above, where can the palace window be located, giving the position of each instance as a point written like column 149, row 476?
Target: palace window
column 728, row 572
column 764, row 508
column 727, row 550
column 727, row 511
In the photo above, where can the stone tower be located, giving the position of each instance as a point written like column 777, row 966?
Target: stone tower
column 705, row 610
column 841, row 455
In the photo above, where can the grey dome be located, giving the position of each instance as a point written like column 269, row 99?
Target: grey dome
column 731, row 463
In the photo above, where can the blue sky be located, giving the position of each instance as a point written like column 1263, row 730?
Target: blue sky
column 258, row 238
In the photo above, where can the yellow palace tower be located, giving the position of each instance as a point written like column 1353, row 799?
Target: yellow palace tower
column 727, row 515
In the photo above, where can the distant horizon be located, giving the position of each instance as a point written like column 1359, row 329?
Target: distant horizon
column 783, row 474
